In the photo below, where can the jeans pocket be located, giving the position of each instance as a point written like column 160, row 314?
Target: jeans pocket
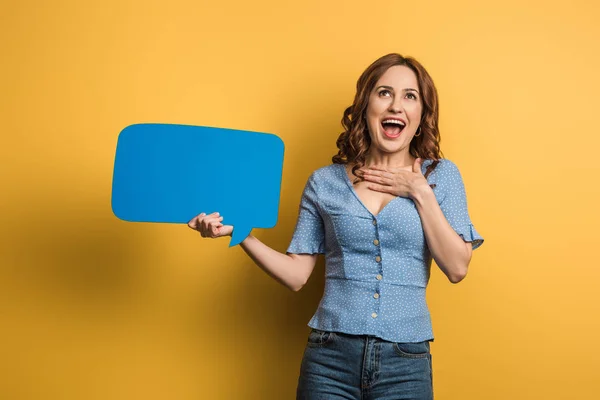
column 412, row 350
column 318, row 337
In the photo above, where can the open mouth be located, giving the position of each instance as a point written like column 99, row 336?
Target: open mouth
column 392, row 128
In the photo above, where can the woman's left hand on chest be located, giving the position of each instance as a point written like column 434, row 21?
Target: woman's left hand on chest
column 396, row 181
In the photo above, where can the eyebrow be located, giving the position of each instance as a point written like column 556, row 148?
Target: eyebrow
column 391, row 88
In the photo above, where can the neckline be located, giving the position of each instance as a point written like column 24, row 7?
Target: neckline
column 351, row 186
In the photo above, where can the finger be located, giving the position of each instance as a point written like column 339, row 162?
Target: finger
column 379, row 188
column 214, row 221
column 208, row 224
column 193, row 223
column 376, row 168
column 380, row 173
column 226, row 230
column 386, row 171
column 378, row 179
column 417, row 166
column 211, row 218
column 372, row 171
column 214, row 230
column 203, row 217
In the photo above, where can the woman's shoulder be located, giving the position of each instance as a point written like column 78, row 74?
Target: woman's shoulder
column 326, row 172
column 442, row 163
column 443, row 166
column 446, row 176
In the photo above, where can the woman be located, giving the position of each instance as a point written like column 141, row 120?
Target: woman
column 386, row 206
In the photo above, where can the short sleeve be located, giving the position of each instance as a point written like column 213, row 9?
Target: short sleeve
column 452, row 198
column 309, row 235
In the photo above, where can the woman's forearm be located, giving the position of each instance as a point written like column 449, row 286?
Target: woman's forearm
column 450, row 252
column 291, row 270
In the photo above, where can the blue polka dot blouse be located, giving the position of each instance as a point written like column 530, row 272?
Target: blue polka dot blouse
column 377, row 266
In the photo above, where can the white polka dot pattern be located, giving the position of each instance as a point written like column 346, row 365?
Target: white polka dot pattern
column 375, row 264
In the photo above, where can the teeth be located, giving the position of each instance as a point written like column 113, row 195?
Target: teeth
column 392, row 121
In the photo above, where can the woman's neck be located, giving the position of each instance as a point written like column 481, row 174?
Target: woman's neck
column 390, row 160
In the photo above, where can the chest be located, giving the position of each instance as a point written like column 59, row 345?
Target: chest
column 348, row 208
column 374, row 201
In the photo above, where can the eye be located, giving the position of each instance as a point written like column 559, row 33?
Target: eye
column 411, row 95
column 385, row 93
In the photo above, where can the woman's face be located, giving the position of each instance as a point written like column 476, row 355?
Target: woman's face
column 394, row 110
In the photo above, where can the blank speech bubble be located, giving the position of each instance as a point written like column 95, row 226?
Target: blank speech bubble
column 171, row 173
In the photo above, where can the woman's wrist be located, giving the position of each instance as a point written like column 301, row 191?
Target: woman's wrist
column 421, row 193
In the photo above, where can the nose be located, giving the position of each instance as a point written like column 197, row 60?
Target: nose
column 396, row 105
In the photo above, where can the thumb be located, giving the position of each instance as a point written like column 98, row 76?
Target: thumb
column 417, row 166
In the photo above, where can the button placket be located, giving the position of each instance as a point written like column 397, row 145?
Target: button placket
column 376, row 302
column 379, row 260
column 379, row 276
column 376, row 242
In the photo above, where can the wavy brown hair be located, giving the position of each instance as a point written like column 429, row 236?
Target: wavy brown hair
column 355, row 141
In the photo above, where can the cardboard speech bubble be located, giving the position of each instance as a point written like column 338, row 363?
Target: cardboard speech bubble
column 171, row 173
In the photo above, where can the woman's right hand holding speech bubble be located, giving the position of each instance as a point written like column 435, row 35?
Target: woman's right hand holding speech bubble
column 210, row 225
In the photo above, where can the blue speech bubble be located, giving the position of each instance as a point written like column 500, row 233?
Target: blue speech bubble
column 171, row 173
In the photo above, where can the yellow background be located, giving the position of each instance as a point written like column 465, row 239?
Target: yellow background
column 93, row 307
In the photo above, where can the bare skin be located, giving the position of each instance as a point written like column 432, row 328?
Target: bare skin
column 291, row 270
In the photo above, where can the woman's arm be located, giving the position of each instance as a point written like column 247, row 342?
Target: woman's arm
column 291, row 270
column 450, row 252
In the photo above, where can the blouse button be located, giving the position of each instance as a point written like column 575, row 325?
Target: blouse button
column 377, row 258
column 374, row 222
column 376, row 242
column 374, row 315
column 376, row 295
column 379, row 277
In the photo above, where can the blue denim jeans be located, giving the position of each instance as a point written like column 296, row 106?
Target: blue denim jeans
column 340, row 366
